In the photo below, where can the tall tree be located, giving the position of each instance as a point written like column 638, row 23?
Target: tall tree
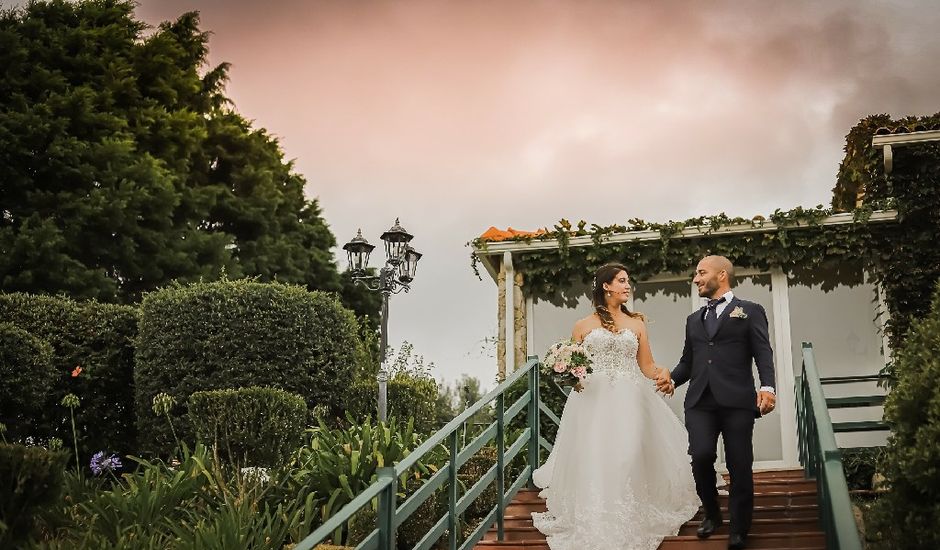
column 123, row 165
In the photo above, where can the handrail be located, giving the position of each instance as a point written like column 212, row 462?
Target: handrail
column 821, row 457
column 391, row 515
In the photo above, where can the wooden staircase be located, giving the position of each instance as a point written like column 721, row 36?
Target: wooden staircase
column 785, row 518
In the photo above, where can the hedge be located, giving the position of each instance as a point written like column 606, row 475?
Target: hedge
column 97, row 337
column 249, row 426
column 30, row 479
column 26, row 379
column 408, row 397
column 908, row 515
column 232, row 334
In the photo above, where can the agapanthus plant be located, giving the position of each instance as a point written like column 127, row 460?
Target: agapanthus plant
column 100, row 463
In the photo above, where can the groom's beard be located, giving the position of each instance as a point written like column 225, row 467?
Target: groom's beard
column 708, row 290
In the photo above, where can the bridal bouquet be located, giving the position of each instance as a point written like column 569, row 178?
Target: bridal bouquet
column 568, row 364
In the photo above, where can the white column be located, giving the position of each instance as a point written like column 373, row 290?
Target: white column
column 783, row 361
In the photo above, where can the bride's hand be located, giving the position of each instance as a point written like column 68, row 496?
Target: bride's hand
column 664, row 381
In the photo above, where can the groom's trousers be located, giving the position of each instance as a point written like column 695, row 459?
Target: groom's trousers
column 704, row 422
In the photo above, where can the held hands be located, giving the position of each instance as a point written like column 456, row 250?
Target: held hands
column 664, row 382
column 766, row 402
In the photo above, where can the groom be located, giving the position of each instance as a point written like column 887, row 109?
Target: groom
column 721, row 340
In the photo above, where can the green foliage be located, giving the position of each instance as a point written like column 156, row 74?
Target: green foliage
column 340, row 463
column 860, row 464
column 908, row 263
column 30, row 479
column 231, row 334
column 123, row 165
column 26, row 378
column 908, row 515
column 409, row 397
column 100, row 339
column 802, row 246
column 194, row 504
column 249, row 426
column 549, row 393
column 471, row 471
column 425, row 517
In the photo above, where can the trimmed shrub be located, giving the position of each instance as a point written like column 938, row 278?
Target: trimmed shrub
column 470, row 472
column 232, row 334
column 249, row 426
column 97, row 337
column 30, row 479
column 408, row 397
column 413, row 529
column 26, row 379
column 907, row 516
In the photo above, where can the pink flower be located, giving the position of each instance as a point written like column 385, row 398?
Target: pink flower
column 579, row 372
column 559, row 367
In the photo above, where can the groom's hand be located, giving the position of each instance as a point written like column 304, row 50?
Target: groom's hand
column 766, row 402
column 664, row 382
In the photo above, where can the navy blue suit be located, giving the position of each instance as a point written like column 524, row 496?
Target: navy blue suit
column 722, row 400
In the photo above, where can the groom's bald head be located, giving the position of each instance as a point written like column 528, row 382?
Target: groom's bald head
column 714, row 276
column 720, row 263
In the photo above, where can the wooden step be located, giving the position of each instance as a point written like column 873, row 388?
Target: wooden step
column 762, row 525
column 769, row 498
column 774, row 511
column 516, row 533
column 515, row 545
column 777, row 473
column 761, row 509
column 772, row 485
column 797, row 540
column 785, row 517
column 758, row 525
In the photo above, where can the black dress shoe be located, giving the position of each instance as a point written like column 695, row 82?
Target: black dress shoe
column 736, row 541
column 708, row 527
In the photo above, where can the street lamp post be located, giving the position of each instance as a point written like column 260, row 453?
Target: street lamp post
column 401, row 262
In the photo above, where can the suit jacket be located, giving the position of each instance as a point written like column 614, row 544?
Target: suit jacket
column 723, row 362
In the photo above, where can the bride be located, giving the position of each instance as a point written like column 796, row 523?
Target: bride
column 618, row 476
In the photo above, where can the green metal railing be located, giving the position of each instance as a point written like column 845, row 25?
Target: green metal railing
column 391, row 514
column 822, row 459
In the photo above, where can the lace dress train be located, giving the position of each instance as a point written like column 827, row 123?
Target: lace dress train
column 618, row 476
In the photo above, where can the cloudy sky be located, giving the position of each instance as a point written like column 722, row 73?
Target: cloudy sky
column 459, row 115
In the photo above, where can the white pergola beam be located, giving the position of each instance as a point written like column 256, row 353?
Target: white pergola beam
column 688, row 232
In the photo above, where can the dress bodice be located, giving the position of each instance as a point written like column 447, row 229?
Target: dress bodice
column 613, row 353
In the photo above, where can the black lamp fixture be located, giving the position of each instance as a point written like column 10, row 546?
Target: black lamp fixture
column 401, row 264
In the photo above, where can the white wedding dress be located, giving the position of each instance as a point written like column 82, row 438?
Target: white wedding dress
column 618, row 476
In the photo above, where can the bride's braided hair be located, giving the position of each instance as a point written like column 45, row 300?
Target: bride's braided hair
column 606, row 274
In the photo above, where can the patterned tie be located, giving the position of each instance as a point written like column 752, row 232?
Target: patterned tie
column 711, row 316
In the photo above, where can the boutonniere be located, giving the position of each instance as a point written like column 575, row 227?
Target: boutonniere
column 738, row 313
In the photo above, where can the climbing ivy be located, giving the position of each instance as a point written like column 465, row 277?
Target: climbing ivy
column 903, row 256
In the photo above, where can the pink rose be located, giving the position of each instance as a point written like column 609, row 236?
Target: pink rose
column 559, row 367
column 579, row 372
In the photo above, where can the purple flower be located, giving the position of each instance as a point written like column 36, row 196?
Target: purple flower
column 100, row 463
